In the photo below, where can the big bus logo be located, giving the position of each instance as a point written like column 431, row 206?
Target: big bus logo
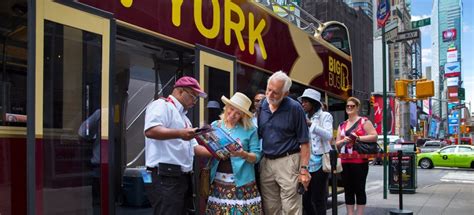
column 338, row 74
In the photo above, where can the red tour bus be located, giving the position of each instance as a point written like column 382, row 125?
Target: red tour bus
column 77, row 76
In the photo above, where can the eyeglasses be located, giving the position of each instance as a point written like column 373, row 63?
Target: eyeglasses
column 195, row 98
column 350, row 106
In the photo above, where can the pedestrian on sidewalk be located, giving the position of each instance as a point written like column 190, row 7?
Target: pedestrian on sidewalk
column 170, row 147
column 284, row 132
column 355, row 170
column 320, row 133
column 233, row 186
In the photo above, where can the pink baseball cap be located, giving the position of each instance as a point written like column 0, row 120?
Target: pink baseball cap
column 192, row 83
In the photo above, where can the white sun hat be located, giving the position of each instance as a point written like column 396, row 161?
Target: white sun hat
column 311, row 94
column 239, row 101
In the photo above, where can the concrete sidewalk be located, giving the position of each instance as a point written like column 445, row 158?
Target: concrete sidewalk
column 443, row 198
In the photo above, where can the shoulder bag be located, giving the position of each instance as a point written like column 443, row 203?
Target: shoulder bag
column 205, row 180
column 367, row 147
column 326, row 161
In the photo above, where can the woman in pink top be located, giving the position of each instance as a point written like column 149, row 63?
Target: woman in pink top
column 355, row 170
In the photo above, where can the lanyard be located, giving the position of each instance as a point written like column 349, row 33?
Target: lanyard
column 170, row 100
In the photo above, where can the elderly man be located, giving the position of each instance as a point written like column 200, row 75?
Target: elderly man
column 283, row 129
column 170, row 147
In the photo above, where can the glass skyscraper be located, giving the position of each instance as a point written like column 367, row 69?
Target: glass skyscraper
column 446, row 48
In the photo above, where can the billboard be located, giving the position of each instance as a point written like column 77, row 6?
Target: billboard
column 452, row 56
column 452, row 81
column 453, row 94
column 433, row 128
column 453, row 118
column 378, row 114
column 426, row 106
column 449, row 35
column 452, row 69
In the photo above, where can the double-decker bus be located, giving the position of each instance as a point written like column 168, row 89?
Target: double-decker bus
column 76, row 77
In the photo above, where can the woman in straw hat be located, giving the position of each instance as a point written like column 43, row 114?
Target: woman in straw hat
column 233, row 186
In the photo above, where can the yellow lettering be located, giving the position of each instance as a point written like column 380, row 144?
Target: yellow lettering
column 126, row 3
column 255, row 35
column 331, row 64
column 338, row 74
column 345, row 73
column 216, row 19
column 230, row 25
column 331, row 79
column 176, row 12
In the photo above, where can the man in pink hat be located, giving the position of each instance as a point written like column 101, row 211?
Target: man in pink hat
column 170, row 147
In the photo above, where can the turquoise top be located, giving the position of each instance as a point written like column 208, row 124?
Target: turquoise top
column 244, row 172
column 315, row 162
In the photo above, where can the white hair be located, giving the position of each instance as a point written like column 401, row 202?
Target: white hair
column 281, row 76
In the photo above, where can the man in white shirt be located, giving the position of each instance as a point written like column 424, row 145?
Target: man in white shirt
column 170, row 147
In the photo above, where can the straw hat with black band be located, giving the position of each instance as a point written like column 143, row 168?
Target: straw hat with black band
column 239, row 101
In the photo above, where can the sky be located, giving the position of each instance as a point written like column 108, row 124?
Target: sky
column 422, row 9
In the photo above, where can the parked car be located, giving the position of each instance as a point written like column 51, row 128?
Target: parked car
column 432, row 145
column 448, row 156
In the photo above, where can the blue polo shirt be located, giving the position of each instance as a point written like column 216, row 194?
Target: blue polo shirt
column 285, row 129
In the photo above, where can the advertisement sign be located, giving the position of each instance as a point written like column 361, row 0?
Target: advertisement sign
column 452, row 69
column 452, row 81
column 449, row 35
column 426, row 106
column 383, row 12
column 378, row 114
column 434, row 128
column 453, row 94
column 452, row 56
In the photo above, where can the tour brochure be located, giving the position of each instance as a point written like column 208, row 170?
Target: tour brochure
column 217, row 141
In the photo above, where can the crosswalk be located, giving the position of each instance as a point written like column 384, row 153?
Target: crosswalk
column 459, row 177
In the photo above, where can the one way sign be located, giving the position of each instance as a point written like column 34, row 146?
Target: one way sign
column 408, row 35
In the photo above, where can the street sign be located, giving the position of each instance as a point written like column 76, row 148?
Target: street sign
column 408, row 35
column 383, row 12
column 461, row 93
column 391, row 35
column 388, row 27
column 420, row 23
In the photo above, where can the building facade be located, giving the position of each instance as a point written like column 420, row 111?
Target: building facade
column 446, row 47
column 365, row 5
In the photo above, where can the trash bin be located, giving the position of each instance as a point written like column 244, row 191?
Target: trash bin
column 408, row 163
column 134, row 187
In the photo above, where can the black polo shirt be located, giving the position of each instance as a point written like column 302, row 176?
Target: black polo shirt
column 285, row 129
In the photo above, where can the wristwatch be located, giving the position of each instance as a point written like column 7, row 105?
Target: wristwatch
column 304, row 167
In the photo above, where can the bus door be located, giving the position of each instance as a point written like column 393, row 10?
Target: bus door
column 216, row 72
column 72, row 109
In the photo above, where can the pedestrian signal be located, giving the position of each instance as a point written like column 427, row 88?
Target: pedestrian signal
column 401, row 89
column 424, row 89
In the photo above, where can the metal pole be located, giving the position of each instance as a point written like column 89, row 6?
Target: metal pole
column 459, row 125
column 384, row 120
column 333, row 158
column 400, row 180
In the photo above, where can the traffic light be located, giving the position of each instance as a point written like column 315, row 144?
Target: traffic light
column 468, row 129
column 424, row 89
column 372, row 100
column 401, row 89
column 463, row 129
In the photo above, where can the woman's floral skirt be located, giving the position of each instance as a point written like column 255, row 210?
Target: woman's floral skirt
column 226, row 198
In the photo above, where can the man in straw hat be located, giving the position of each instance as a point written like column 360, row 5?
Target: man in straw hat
column 234, row 190
column 282, row 127
column 320, row 130
column 170, row 147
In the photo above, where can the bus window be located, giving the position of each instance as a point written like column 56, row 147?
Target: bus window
column 13, row 61
column 337, row 35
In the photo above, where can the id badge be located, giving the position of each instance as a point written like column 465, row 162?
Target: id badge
column 146, row 176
